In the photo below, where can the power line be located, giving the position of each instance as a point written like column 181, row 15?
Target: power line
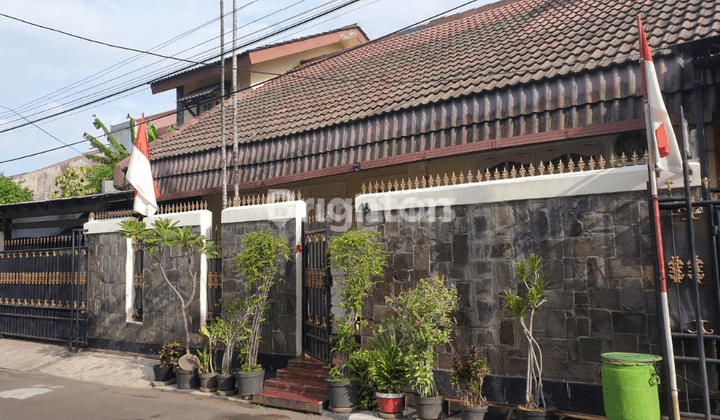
column 212, row 56
column 131, row 59
column 294, row 25
column 40, row 128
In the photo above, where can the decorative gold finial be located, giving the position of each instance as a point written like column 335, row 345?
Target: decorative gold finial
column 541, row 168
column 453, row 179
column 487, row 174
column 496, row 175
column 513, row 172
column 602, row 162
column 669, row 185
column 634, row 158
column 523, row 171
column 676, row 269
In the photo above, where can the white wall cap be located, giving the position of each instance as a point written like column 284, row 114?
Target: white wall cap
column 602, row 181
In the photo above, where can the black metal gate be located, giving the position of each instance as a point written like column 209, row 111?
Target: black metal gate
column 317, row 282
column 42, row 288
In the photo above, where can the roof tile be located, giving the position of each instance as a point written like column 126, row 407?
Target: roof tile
column 495, row 46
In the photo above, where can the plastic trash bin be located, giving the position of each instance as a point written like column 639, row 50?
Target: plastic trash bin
column 630, row 386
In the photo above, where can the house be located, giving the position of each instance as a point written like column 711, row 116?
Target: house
column 198, row 89
column 510, row 83
column 497, row 93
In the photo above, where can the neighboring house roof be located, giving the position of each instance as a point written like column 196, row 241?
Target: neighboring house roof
column 261, row 54
column 503, row 70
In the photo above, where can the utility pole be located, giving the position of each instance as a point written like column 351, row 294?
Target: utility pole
column 236, row 175
column 222, row 105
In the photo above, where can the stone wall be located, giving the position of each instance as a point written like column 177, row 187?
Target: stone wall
column 279, row 332
column 162, row 317
column 598, row 262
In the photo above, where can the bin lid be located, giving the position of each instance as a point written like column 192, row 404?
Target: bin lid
column 630, row 359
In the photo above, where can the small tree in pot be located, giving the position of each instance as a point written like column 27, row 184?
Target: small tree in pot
column 232, row 328
column 359, row 254
column 158, row 240
column 423, row 320
column 468, row 374
column 260, row 263
column 534, row 289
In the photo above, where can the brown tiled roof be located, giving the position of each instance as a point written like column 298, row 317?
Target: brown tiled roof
column 505, row 58
column 502, row 44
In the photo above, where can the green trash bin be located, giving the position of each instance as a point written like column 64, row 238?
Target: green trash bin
column 630, row 386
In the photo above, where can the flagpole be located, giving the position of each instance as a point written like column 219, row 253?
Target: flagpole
column 667, row 330
column 664, row 307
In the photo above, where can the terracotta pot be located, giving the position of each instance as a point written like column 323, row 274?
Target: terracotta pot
column 390, row 403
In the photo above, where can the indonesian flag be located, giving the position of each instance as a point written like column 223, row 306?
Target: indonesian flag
column 139, row 174
column 667, row 153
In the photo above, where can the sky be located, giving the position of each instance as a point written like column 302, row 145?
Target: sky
column 44, row 72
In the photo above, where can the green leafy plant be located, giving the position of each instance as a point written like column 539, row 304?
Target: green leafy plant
column 171, row 352
column 13, row 192
column 360, row 362
column 205, row 356
column 389, row 370
column 468, row 374
column 212, row 335
column 359, row 255
column 423, row 321
column 260, row 262
column 531, row 276
column 158, row 241
column 73, row 182
column 232, row 328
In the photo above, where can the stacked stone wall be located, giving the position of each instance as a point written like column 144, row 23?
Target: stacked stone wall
column 279, row 330
column 598, row 258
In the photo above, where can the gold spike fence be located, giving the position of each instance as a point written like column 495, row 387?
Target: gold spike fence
column 257, row 199
column 515, row 171
column 162, row 209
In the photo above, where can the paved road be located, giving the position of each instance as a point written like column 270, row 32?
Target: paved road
column 40, row 396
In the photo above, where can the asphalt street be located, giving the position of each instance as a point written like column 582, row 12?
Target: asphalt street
column 41, row 396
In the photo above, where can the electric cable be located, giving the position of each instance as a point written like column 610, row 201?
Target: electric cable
column 259, row 39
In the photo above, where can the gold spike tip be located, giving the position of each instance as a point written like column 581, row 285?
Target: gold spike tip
column 461, row 178
column 496, row 175
column 487, row 174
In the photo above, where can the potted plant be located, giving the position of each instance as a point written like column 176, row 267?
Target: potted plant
column 360, row 362
column 523, row 307
column 359, row 254
column 468, row 374
column 423, row 320
column 389, row 373
column 169, row 355
column 232, row 328
column 208, row 377
column 259, row 263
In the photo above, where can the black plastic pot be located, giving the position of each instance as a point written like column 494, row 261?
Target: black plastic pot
column 428, row 408
column 343, row 396
column 473, row 413
column 186, row 379
column 163, row 373
column 535, row 414
column 225, row 382
column 249, row 383
column 208, row 382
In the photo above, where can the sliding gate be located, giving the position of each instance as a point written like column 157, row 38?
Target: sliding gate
column 42, row 288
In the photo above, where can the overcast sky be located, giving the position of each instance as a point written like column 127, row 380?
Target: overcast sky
column 44, row 72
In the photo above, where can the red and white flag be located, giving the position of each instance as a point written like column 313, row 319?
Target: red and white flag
column 139, row 174
column 667, row 153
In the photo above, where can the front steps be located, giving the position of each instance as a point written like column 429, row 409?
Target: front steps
column 302, row 386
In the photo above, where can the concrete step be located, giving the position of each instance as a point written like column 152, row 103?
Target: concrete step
column 288, row 401
column 304, row 388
